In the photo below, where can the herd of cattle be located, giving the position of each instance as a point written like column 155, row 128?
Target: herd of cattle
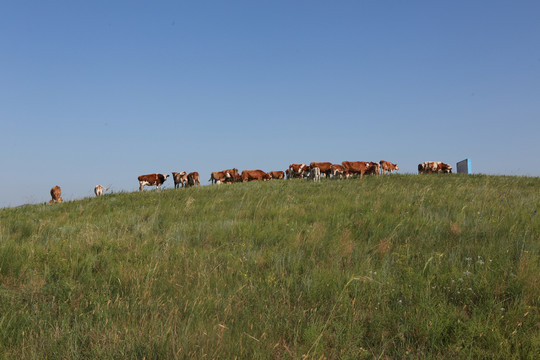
column 314, row 171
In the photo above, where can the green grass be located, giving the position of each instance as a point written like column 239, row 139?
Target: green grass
column 399, row 266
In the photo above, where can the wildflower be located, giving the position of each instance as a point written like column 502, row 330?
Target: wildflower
column 502, row 309
column 468, row 259
column 480, row 262
column 400, row 301
column 461, row 279
column 467, row 273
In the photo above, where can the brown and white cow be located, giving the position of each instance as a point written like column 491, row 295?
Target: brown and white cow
column 428, row 167
column 151, row 180
column 388, row 166
column 234, row 176
column 252, row 175
column 193, row 179
column 218, row 177
column 277, row 175
column 298, row 171
column 337, row 170
column 323, row 166
column 98, row 190
column 180, row 179
column 56, row 194
column 444, row 168
column 355, row 167
column 373, row 168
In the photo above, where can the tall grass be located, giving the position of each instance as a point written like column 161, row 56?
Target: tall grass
column 387, row 267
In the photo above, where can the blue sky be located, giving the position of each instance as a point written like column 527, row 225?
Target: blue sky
column 99, row 92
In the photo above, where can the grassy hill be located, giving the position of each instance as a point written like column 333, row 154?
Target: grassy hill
column 389, row 267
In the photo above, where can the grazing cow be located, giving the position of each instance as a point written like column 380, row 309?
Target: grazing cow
column 337, row 170
column 388, row 166
column 298, row 171
column 277, row 174
column 428, row 167
column 251, row 175
column 355, row 167
column 288, row 174
column 56, row 194
column 98, row 190
column 193, row 179
column 151, row 180
column 180, row 178
column 315, row 173
column 324, row 167
column 218, row 177
column 444, row 168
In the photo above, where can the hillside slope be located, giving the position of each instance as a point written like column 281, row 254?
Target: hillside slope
column 394, row 266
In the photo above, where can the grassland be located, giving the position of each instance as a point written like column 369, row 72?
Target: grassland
column 390, row 267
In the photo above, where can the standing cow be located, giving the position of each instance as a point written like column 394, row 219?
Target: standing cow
column 98, row 190
column 298, row 171
column 324, row 167
column 193, row 179
column 180, row 178
column 388, row 166
column 151, row 180
column 56, row 194
column 315, row 173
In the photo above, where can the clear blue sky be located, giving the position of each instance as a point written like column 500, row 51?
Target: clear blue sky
column 99, row 92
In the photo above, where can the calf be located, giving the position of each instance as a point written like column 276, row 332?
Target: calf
column 151, row 180
column 56, row 194
column 180, row 178
column 315, row 174
column 388, row 166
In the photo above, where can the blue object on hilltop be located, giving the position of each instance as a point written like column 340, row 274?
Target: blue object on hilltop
column 464, row 167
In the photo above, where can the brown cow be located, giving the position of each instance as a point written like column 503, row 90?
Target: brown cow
column 298, row 171
column 388, row 166
column 193, row 179
column 56, row 194
column 324, row 166
column 277, row 174
column 234, row 175
column 218, row 177
column 180, row 179
column 355, row 167
column 337, row 170
column 251, row 175
column 151, row 180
